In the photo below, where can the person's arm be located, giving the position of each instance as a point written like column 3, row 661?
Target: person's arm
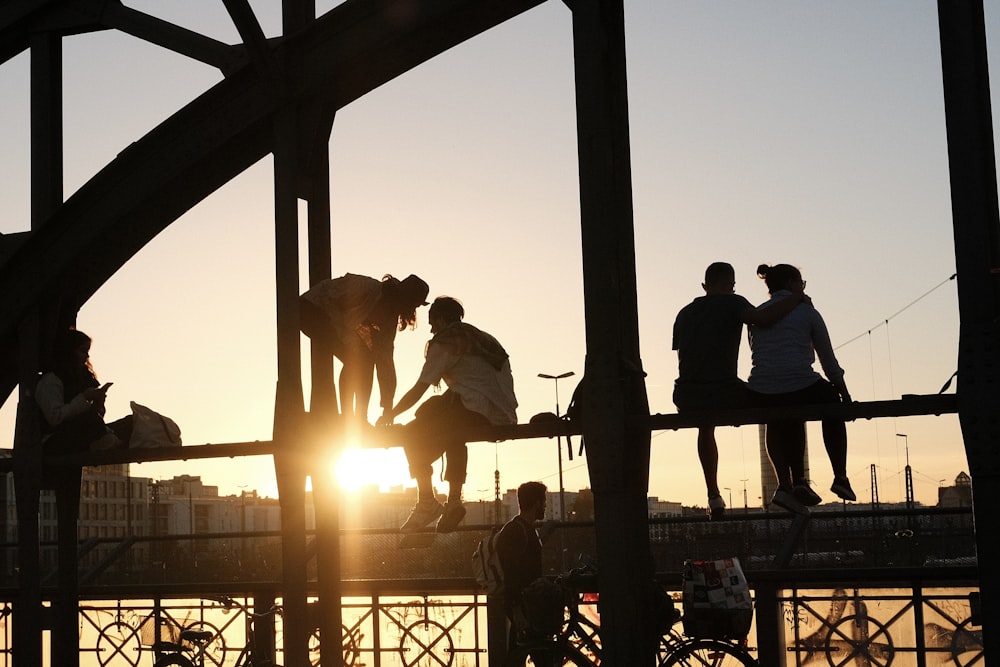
column 771, row 313
column 53, row 405
column 408, row 400
column 827, row 359
column 385, row 371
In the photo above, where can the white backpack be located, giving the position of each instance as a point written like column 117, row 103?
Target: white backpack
column 486, row 565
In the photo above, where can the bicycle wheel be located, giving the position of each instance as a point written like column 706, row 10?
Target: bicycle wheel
column 555, row 654
column 173, row 660
column 584, row 637
column 708, row 653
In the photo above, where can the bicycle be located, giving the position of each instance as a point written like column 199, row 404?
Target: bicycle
column 192, row 646
column 579, row 644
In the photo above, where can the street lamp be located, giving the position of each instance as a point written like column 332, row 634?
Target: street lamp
column 562, row 490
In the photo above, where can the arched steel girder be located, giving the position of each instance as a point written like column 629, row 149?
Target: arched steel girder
column 342, row 55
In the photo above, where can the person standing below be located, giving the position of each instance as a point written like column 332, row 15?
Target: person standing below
column 476, row 369
column 71, row 401
column 519, row 548
column 357, row 318
column 782, row 372
column 706, row 336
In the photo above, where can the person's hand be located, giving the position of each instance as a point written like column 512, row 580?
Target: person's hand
column 96, row 394
column 384, row 420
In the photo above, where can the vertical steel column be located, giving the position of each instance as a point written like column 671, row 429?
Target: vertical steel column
column 46, row 196
column 615, row 407
column 323, row 412
column 289, row 410
column 972, row 165
column 65, row 603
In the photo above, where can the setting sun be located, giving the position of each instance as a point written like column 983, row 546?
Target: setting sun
column 358, row 468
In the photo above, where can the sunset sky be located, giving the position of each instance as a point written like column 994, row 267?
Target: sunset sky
column 775, row 131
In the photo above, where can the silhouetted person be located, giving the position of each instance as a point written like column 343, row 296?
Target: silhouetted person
column 357, row 318
column 520, row 550
column 476, row 369
column 783, row 374
column 71, row 401
column 707, row 335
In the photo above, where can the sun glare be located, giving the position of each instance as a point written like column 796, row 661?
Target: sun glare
column 360, row 468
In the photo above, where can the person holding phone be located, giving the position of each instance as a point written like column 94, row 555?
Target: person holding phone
column 71, row 401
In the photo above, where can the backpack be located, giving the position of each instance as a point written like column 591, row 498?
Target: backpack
column 486, row 565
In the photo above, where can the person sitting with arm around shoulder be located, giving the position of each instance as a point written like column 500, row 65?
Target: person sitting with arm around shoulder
column 476, row 370
column 706, row 336
column 71, row 401
column 782, row 374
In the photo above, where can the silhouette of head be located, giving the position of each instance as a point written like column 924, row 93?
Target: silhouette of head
column 446, row 310
column 779, row 276
column 720, row 278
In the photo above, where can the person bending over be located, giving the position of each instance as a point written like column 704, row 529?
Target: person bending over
column 357, row 318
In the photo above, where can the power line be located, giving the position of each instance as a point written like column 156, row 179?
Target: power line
column 885, row 322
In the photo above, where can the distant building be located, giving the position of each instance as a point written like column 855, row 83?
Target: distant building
column 958, row 495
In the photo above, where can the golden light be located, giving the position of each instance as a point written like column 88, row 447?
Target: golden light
column 359, row 468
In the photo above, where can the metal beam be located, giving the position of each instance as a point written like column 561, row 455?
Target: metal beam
column 614, row 392
column 976, row 221
column 341, row 56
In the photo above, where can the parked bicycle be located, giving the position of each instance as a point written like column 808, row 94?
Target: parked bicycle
column 194, row 645
column 579, row 643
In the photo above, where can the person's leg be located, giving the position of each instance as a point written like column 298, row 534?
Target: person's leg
column 835, row 439
column 86, row 431
column 422, row 447
column 708, row 454
column 689, row 397
column 348, row 386
column 783, row 448
column 363, row 384
column 457, row 462
column 775, row 441
column 421, row 453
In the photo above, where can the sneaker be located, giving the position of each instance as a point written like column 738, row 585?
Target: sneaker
column 421, row 515
column 786, row 500
column 452, row 516
column 716, row 507
column 806, row 495
column 842, row 487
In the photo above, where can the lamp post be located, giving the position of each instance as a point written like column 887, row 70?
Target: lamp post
column 562, row 490
column 730, row 495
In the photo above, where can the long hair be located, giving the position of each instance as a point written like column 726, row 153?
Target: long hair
column 66, row 365
column 405, row 312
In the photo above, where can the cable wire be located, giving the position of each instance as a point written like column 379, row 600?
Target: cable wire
column 885, row 322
